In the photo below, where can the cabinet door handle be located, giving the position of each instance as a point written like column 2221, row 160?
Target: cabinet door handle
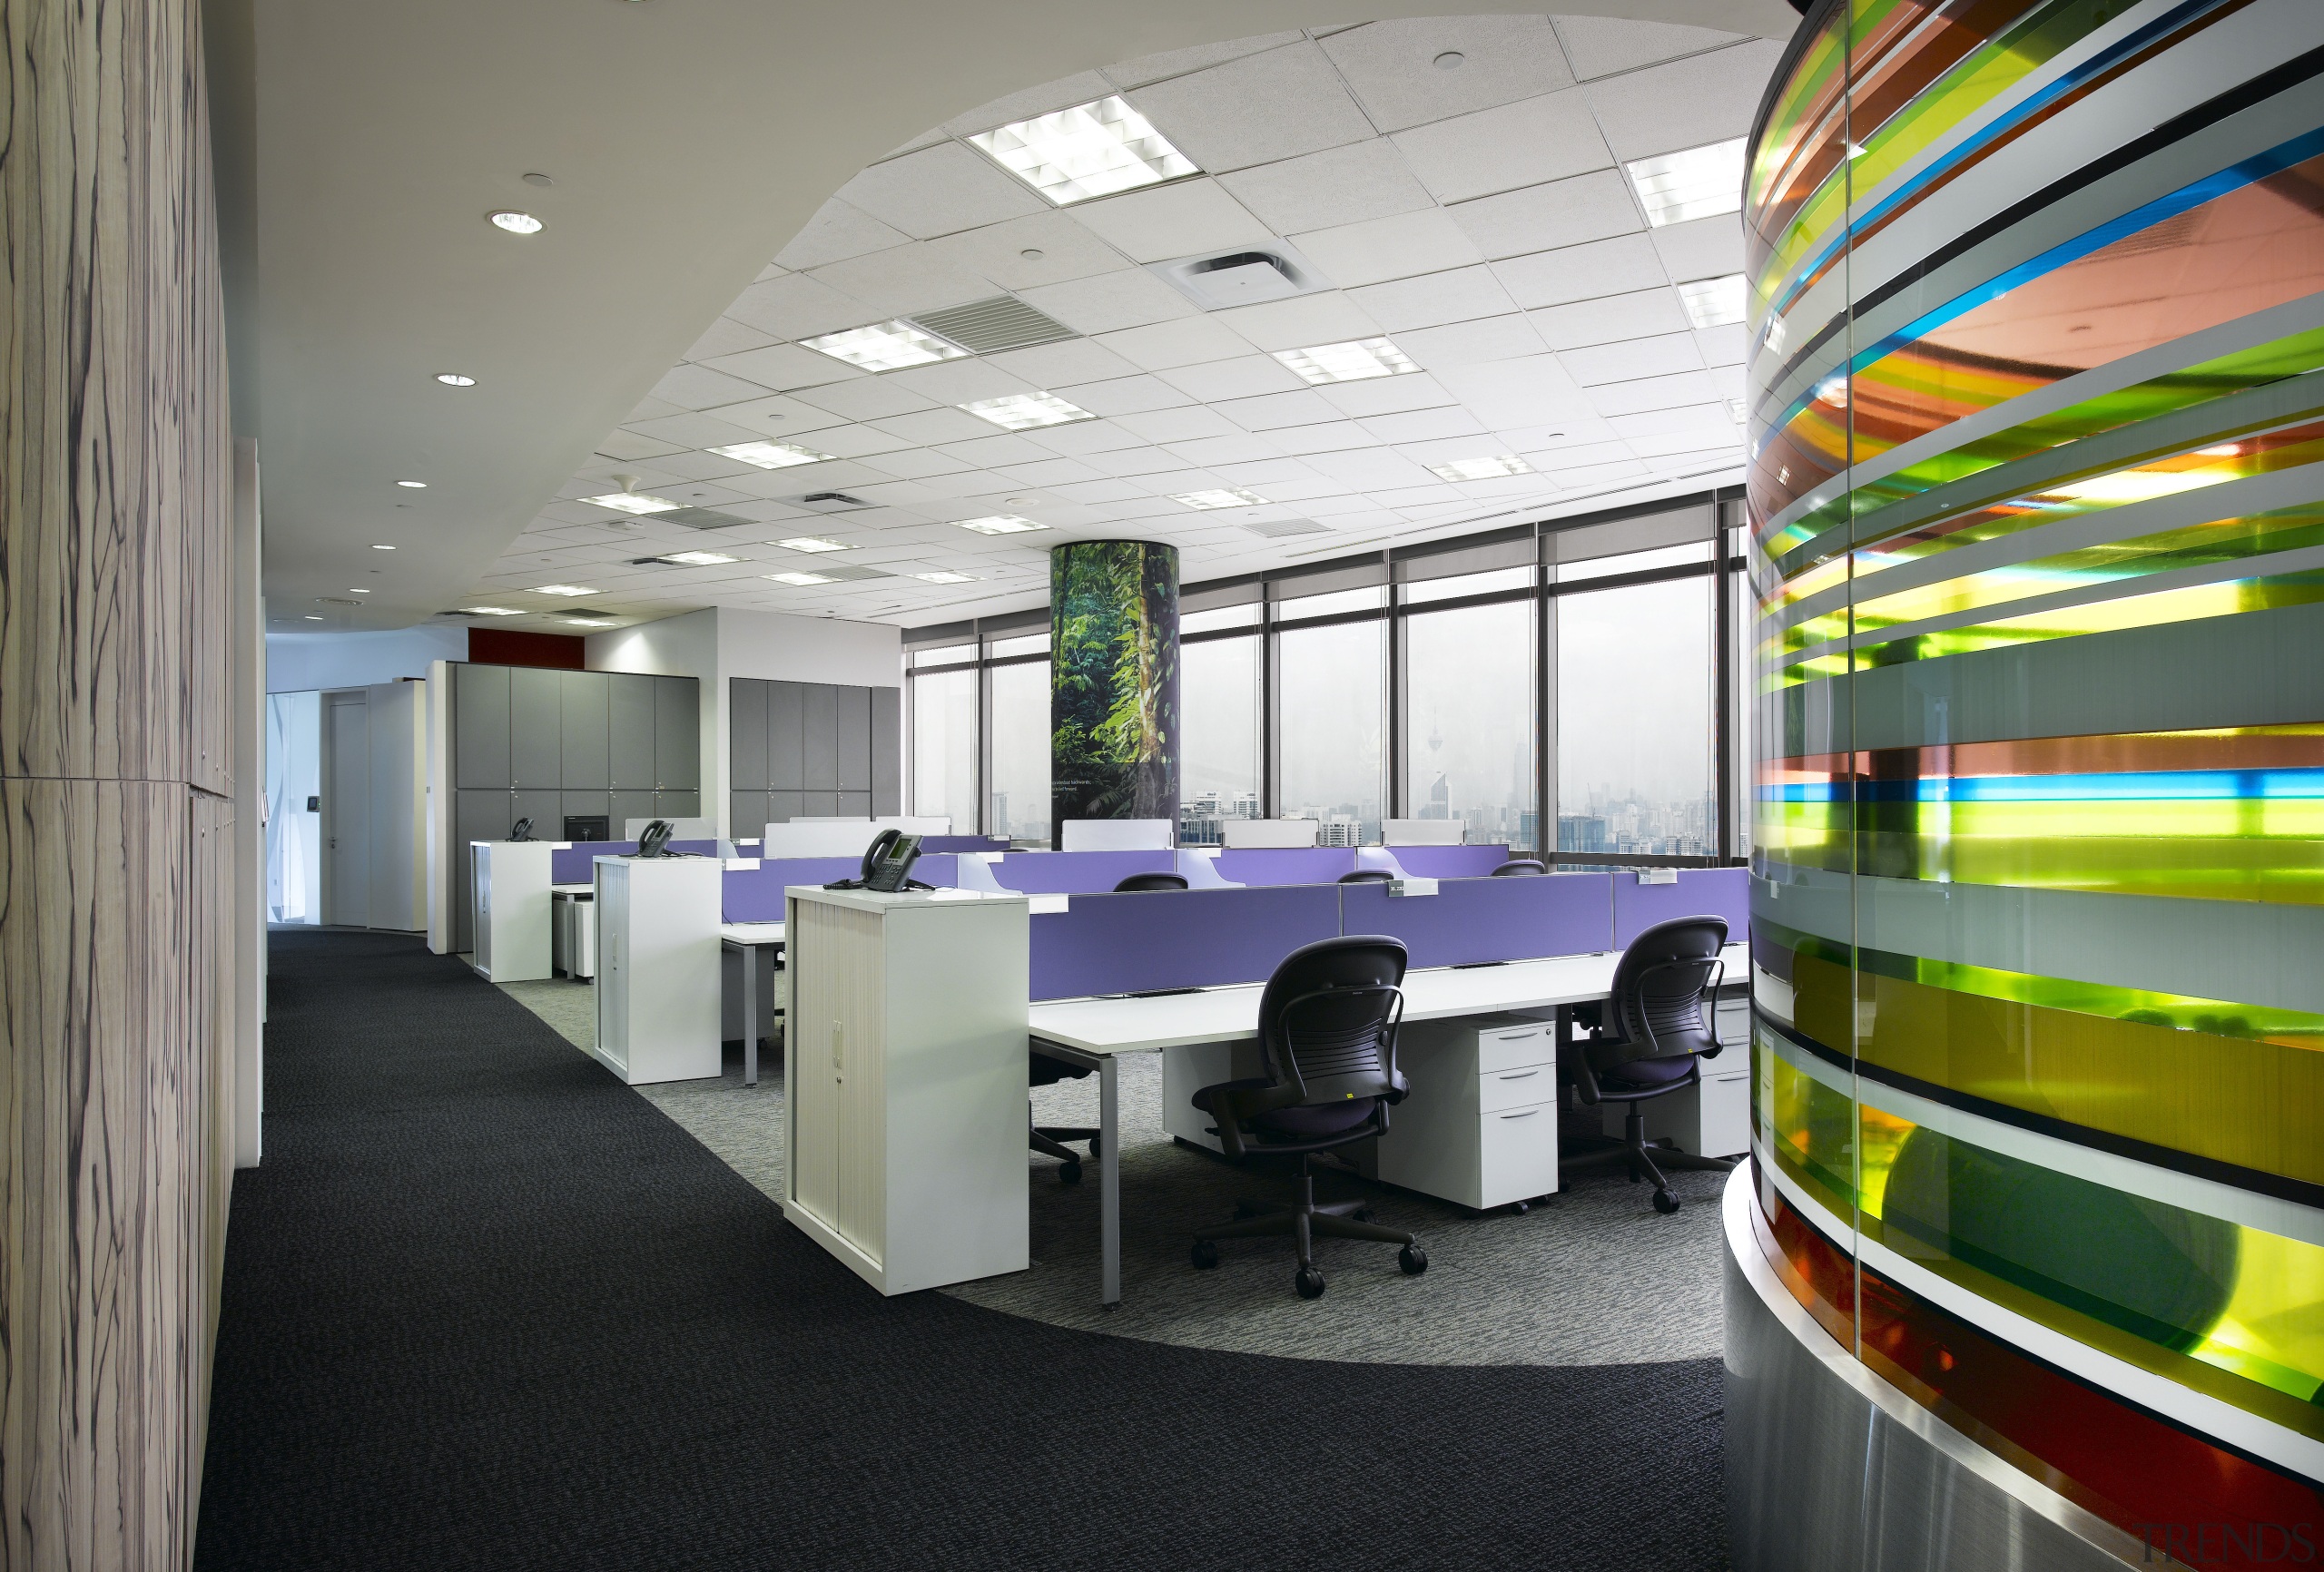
column 1520, row 1075
column 1521, row 1113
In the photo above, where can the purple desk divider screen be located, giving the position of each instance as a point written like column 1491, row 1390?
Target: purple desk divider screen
column 1120, row 944
column 1472, row 920
column 931, row 844
column 1077, row 872
column 1450, row 862
column 573, row 865
column 1700, row 892
column 755, row 894
column 1286, row 864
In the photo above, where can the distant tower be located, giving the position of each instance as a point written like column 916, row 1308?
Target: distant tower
column 1440, row 804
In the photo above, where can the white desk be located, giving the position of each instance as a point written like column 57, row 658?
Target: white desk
column 752, row 939
column 1095, row 1032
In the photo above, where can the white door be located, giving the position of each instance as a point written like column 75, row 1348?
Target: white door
column 347, row 810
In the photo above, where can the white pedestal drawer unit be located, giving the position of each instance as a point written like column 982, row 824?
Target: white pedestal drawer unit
column 658, row 966
column 904, row 1073
column 510, row 885
column 1479, row 1126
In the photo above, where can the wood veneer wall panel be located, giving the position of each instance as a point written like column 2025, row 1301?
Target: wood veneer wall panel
column 115, row 767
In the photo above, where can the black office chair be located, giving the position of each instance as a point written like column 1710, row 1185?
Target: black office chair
column 1327, row 1033
column 1367, row 876
column 1040, row 1070
column 1517, row 868
column 1650, row 1040
column 1139, row 882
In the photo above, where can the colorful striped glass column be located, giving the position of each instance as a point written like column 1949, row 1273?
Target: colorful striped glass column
column 2037, row 508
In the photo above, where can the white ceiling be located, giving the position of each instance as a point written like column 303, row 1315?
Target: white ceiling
column 1476, row 215
column 688, row 140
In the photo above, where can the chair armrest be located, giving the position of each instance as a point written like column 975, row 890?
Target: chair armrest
column 1585, row 1079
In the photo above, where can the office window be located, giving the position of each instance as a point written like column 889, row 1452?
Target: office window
column 1332, row 700
column 1469, row 707
column 1218, row 715
column 944, row 745
column 1634, row 720
column 1019, row 806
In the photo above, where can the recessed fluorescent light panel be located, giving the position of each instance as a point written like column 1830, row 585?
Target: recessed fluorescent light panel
column 1024, row 411
column 696, row 558
column 1487, row 468
column 1350, row 362
column 1000, row 524
column 565, row 589
column 885, row 347
column 797, row 578
column 946, row 577
column 784, row 455
column 1714, row 302
column 1091, row 150
column 1225, row 496
column 808, row 543
column 492, row 611
column 1697, row 183
column 1735, row 408
column 634, row 502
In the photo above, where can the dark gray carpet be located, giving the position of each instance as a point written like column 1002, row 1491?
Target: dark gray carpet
column 485, row 1307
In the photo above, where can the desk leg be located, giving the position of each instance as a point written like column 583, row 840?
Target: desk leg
column 1110, row 1180
column 750, row 1015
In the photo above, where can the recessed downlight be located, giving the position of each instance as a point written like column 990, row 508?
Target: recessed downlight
column 516, row 223
column 359, row 592
column 378, row 546
column 564, row 589
column 312, row 617
column 455, row 379
column 413, row 485
column 1451, row 60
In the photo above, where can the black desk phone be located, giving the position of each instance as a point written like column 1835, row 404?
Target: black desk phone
column 887, row 865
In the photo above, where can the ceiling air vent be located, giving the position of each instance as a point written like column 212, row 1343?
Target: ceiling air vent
column 1227, row 279
column 702, row 519
column 1276, row 528
column 989, row 327
column 335, row 601
column 822, row 502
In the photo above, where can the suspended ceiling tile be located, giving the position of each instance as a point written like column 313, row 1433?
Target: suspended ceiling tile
column 1460, row 295
column 1128, row 462
column 1372, row 469
column 1054, row 366
column 1048, row 472
column 795, row 305
column 851, row 442
column 1237, row 376
column 1687, row 102
column 1728, row 346
column 1089, row 492
column 1109, row 302
column 1299, row 323
column 701, row 466
column 1181, row 219
column 1341, row 185
column 960, row 381
column 1122, row 396
column 691, row 387
column 838, row 230
column 1702, row 249
column 1331, row 436
column 929, row 427
column 988, row 450
column 726, row 337
column 1710, row 422
column 781, row 418
column 1530, row 390
column 939, row 191
column 1177, row 425
column 1390, row 65
column 915, row 463
column 1565, row 212
column 1397, row 247
column 1271, row 410
column 1187, row 341
column 1238, row 448
column 866, row 398
column 1255, row 110
column 997, row 251
column 1602, row 46
column 1632, row 358
column 696, row 430
column 650, row 409
column 1505, row 149
column 1083, row 436
column 1626, row 263
column 785, row 367
column 1171, row 63
column 1608, row 318
column 622, row 445
column 1679, row 389
column 903, row 281
column 1415, row 425
column 1048, row 98
column 1385, row 395
column 1469, row 343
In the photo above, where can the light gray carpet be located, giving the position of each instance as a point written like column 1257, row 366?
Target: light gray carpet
column 1595, row 1277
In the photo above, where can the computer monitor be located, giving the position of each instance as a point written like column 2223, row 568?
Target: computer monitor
column 588, row 827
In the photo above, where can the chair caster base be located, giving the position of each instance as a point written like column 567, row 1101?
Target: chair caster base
column 1309, row 1282
column 1665, row 1203
column 1412, row 1259
column 1069, row 1173
column 1206, row 1254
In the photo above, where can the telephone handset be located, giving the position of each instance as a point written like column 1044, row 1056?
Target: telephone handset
column 887, row 863
column 874, row 853
column 521, row 830
column 654, row 840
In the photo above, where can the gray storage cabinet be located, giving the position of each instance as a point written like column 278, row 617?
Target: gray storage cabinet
column 533, row 743
column 811, row 750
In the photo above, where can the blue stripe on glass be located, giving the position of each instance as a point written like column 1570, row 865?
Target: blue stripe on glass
column 2151, row 785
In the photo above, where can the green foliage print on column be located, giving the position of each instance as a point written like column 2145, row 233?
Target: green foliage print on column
column 1113, row 682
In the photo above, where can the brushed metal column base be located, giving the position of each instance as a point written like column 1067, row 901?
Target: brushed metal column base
column 1829, row 1469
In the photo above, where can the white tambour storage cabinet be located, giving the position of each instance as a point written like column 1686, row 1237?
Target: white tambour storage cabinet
column 658, row 966
column 1480, row 1125
column 904, row 1070
column 510, row 886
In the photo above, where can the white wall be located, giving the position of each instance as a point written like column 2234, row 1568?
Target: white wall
column 718, row 643
column 298, row 661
